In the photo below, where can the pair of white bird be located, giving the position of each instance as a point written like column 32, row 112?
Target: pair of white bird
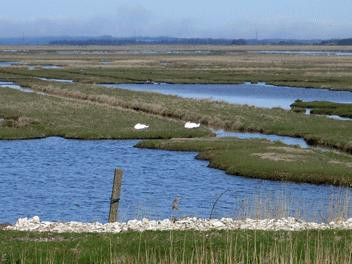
column 188, row 125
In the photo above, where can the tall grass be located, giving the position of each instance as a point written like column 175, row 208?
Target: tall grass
column 308, row 247
column 281, row 205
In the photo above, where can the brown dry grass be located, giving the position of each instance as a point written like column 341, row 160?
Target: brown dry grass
column 346, row 164
column 274, row 156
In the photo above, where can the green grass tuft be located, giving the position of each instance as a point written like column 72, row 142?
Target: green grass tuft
column 266, row 160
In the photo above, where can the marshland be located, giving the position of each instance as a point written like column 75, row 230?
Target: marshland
column 67, row 121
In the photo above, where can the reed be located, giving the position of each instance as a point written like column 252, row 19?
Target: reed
column 242, row 246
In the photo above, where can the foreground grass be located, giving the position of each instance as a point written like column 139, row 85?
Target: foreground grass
column 264, row 159
column 241, row 246
column 315, row 130
column 26, row 115
column 323, row 108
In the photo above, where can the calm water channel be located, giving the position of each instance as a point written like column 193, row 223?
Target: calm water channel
column 260, row 95
column 61, row 179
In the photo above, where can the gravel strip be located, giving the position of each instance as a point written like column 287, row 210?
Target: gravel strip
column 288, row 224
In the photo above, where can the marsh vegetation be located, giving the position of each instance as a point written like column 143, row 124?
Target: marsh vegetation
column 84, row 110
column 308, row 247
column 266, row 160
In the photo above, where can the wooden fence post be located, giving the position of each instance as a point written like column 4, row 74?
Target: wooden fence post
column 115, row 196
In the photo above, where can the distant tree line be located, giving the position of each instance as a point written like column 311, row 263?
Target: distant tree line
column 109, row 40
column 135, row 41
column 339, row 42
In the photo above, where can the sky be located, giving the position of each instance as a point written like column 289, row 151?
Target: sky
column 299, row 19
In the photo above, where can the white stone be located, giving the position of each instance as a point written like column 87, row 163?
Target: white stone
column 34, row 224
column 35, row 220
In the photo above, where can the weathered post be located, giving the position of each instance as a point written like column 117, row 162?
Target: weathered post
column 115, row 196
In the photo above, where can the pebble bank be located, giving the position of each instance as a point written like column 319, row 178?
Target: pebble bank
column 192, row 223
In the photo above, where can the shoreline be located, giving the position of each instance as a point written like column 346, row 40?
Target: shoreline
column 191, row 223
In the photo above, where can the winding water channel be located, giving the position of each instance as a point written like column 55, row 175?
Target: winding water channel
column 60, row 179
column 15, row 86
column 260, row 95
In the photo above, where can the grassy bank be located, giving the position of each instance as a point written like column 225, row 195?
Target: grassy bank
column 182, row 64
column 265, row 160
column 323, row 108
column 26, row 115
column 308, row 247
column 316, row 130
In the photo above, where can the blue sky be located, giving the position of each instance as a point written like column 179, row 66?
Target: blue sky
column 182, row 18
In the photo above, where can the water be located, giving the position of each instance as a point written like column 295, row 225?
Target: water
column 284, row 139
column 306, row 53
column 9, row 51
column 260, row 95
column 4, row 64
column 49, row 67
column 334, row 117
column 340, row 118
column 61, row 179
column 55, row 80
column 171, row 52
column 14, row 86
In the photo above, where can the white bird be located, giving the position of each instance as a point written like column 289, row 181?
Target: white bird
column 192, row 125
column 140, row 126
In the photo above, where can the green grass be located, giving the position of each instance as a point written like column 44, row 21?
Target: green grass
column 314, row 129
column 294, row 76
column 323, row 108
column 35, row 116
column 308, row 247
column 264, row 159
column 225, row 64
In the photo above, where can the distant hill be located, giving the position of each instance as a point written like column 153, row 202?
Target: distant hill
column 36, row 40
column 339, row 42
column 109, row 40
column 141, row 40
